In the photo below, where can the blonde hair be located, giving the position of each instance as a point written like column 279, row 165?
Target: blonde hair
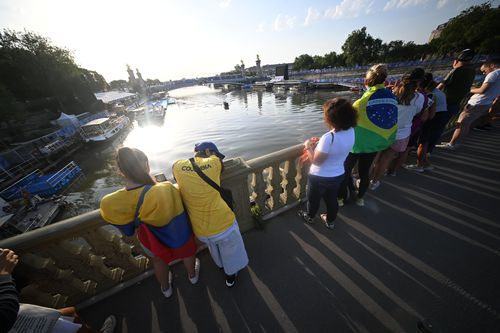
column 376, row 75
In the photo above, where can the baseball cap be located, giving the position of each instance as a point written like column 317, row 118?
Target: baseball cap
column 201, row 146
column 491, row 60
column 465, row 55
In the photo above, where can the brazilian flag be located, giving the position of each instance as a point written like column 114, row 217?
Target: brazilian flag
column 377, row 120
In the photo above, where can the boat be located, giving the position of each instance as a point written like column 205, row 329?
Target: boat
column 150, row 112
column 43, row 185
column 17, row 218
column 103, row 129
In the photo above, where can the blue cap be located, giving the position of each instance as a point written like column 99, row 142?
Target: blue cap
column 201, row 146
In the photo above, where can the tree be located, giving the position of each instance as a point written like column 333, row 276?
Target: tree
column 118, row 85
column 475, row 28
column 304, row 61
column 360, row 48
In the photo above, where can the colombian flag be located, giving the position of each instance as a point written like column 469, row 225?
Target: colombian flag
column 377, row 120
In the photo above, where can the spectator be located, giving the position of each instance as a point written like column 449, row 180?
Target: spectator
column 375, row 131
column 12, row 315
column 456, row 85
column 479, row 104
column 156, row 213
column 214, row 223
column 409, row 104
column 327, row 158
column 432, row 128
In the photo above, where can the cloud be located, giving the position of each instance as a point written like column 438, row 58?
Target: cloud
column 312, row 16
column 349, row 9
column 260, row 27
column 224, row 3
column 391, row 4
column 441, row 3
column 284, row 22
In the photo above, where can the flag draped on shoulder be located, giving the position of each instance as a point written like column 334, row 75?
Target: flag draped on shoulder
column 377, row 120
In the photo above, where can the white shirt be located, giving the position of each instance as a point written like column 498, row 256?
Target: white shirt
column 493, row 79
column 406, row 114
column 336, row 151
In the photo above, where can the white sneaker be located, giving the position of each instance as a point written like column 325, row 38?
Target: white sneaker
column 374, row 184
column 428, row 167
column 360, row 202
column 446, row 145
column 194, row 279
column 357, row 183
column 340, row 202
column 109, row 325
column 414, row 167
column 167, row 293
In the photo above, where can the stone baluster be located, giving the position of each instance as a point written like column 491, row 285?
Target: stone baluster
column 260, row 190
column 51, row 279
column 275, row 181
column 110, row 245
column 33, row 294
column 235, row 177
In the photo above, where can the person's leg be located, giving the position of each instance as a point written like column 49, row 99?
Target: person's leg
column 465, row 121
column 189, row 263
column 330, row 198
column 161, row 270
column 347, row 181
column 441, row 119
column 315, row 190
column 385, row 157
column 364, row 164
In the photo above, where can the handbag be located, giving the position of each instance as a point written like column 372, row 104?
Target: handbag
column 225, row 193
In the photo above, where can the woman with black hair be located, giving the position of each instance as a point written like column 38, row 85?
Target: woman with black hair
column 327, row 169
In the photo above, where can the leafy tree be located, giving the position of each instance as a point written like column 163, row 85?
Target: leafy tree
column 360, row 48
column 304, row 61
column 118, row 85
column 476, row 28
column 94, row 80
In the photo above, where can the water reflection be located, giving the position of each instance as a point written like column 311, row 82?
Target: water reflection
column 256, row 123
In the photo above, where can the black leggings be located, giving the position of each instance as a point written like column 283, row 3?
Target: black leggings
column 325, row 188
column 365, row 161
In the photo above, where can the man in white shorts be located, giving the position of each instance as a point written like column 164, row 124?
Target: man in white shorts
column 479, row 103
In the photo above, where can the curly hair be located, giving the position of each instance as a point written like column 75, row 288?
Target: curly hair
column 339, row 114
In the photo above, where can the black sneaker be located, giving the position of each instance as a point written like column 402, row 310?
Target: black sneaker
column 230, row 280
column 305, row 216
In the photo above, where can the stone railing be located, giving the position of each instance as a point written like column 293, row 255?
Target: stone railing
column 81, row 259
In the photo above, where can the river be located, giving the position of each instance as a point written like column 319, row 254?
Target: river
column 256, row 123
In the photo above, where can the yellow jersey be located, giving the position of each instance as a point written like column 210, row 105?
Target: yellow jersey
column 209, row 214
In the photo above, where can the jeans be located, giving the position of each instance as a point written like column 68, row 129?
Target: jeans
column 365, row 161
column 326, row 188
column 443, row 119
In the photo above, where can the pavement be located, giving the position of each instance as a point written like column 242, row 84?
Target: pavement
column 423, row 255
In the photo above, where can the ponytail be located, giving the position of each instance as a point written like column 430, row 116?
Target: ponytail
column 133, row 164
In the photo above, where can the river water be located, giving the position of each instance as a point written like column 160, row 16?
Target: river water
column 256, row 123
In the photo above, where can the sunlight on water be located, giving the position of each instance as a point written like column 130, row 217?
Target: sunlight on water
column 256, row 123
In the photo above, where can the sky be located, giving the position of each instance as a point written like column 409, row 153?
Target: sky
column 174, row 39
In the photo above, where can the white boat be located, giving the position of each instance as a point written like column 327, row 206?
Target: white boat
column 103, row 129
column 149, row 112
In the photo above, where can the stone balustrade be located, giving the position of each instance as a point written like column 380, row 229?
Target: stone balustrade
column 75, row 260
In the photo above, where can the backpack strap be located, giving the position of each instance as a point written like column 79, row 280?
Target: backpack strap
column 332, row 137
column 137, row 221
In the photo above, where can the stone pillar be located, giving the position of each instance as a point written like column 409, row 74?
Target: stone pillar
column 235, row 177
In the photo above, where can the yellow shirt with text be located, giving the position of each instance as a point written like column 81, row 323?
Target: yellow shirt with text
column 209, row 214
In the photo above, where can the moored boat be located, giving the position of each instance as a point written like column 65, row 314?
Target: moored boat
column 43, row 185
column 103, row 129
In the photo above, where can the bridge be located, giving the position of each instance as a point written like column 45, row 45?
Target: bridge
column 422, row 255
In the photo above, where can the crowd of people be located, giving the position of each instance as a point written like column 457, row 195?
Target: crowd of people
column 377, row 133
column 369, row 138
